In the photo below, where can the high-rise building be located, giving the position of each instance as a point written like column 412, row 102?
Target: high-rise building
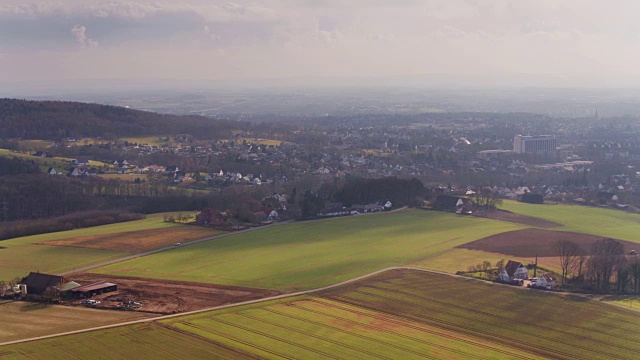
column 533, row 144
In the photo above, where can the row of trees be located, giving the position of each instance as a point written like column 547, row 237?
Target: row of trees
column 603, row 268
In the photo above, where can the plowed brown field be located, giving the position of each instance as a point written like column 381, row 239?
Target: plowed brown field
column 137, row 241
column 532, row 242
column 166, row 296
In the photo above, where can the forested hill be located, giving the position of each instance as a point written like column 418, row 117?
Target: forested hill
column 60, row 119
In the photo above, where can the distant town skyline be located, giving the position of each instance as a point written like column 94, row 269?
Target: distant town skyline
column 284, row 42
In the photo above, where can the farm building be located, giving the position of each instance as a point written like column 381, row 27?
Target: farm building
column 453, row 204
column 37, row 283
column 211, row 217
column 87, row 291
column 513, row 270
column 68, row 286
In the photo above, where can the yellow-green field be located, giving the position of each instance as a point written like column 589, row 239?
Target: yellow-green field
column 21, row 320
column 306, row 255
column 584, row 219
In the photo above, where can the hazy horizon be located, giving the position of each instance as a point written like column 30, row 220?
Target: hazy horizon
column 431, row 43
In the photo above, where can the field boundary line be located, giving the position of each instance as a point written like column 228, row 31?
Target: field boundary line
column 279, row 297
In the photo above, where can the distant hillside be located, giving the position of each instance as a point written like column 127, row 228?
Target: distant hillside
column 60, row 119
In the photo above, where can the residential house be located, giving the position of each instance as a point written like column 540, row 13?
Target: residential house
column 514, row 270
column 546, row 281
column 76, row 172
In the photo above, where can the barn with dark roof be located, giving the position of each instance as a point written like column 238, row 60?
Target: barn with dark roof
column 37, row 283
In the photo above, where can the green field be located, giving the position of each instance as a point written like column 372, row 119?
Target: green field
column 400, row 314
column 308, row 255
column 585, row 219
column 22, row 255
column 21, row 320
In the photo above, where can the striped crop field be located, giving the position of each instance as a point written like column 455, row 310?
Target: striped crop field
column 533, row 321
column 144, row 341
column 316, row 328
column 399, row 314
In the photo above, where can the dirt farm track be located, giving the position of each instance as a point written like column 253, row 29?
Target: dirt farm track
column 166, row 296
column 532, row 242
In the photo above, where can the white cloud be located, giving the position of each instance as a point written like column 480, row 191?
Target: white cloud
column 79, row 34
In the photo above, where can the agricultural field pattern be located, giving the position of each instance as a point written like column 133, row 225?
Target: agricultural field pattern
column 397, row 314
column 402, row 313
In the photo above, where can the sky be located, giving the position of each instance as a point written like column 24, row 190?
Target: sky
column 586, row 43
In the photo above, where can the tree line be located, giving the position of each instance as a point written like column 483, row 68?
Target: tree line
column 14, row 229
column 605, row 267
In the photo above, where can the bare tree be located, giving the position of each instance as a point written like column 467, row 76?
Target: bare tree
column 3, row 288
column 607, row 255
column 569, row 254
column 485, row 268
column 634, row 270
column 581, row 261
column 487, row 199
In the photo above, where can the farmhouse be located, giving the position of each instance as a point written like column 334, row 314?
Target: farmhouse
column 453, row 204
column 513, row 270
column 87, row 291
column 211, row 217
column 37, row 283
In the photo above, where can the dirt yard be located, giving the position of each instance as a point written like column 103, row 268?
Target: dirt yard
column 529, row 242
column 517, row 218
column 137, row 241
column 165, row 296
